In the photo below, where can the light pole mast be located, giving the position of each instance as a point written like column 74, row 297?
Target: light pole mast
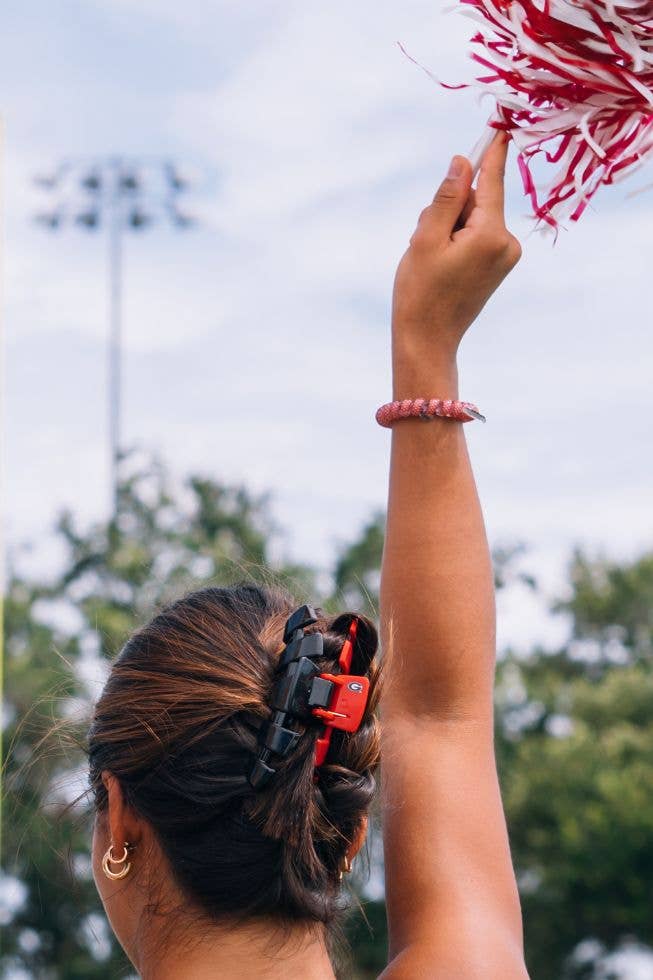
column 118, row 194
column 115, row 222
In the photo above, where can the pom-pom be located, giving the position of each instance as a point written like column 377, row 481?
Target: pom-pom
column 573, row 80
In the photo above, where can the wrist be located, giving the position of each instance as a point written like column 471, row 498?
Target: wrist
column 430, row 372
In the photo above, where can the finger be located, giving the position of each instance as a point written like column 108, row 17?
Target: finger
column 464, row 216
column 451, row 197
column 489, row 188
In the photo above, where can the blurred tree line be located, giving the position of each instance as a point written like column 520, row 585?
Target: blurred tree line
column 574, row 727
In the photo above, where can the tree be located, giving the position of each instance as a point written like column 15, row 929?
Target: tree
column 610, row 604
column 574, row 726
column 575, row 740
column 113, row 575
column 358, row 570
column 37, row 847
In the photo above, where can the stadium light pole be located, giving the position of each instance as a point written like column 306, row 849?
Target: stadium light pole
column 116, row 194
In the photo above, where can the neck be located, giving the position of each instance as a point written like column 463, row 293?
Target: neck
column 256, row 952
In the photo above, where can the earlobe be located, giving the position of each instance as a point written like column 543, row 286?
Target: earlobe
column 354, row 848
column 359, row 839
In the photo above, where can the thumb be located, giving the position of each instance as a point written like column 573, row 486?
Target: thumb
column 452, row 195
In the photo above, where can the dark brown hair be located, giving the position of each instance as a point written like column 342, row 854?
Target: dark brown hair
column 177, row 724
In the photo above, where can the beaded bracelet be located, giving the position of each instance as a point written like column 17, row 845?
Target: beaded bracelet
column 427, row 408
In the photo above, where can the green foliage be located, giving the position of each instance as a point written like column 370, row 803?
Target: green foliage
column 506, row 568
column 39, row 846
column 575, row 745
column 609, row 600
column 367, row 936
column 161, row 546
column 574, row 726
column 357, row 572
column 113, row 576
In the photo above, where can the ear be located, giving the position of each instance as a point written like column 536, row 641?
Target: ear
column 358, row 840
column 124, row 825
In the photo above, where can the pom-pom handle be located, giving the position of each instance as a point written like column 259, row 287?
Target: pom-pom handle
column 481, row 146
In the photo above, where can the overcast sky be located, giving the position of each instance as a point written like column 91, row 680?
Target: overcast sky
column 256, row 347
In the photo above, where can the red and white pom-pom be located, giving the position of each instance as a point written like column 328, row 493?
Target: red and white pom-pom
column 573, row 79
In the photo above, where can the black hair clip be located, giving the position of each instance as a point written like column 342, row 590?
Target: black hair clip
column 297, row 643
column 302, row 617
column 291, row 692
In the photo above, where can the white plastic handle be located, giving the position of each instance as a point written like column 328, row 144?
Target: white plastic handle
column 481, row 145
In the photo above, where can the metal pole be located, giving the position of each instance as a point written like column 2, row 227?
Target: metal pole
column 115, row 328
column 114, row 192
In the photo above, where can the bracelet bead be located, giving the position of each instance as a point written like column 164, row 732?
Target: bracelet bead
column 427, row 409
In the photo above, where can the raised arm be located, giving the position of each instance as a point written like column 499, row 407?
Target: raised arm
column 453, row 908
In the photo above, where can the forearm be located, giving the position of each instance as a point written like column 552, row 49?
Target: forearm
column 448, row 862
column 437, row 591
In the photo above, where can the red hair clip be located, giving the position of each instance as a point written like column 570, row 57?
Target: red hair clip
column 347, row 701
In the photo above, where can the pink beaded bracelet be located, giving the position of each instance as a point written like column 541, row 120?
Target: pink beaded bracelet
column 427, row 408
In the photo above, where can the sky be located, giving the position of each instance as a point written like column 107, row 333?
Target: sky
column 257, row 344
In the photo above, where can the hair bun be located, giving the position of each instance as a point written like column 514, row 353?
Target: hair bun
column 366, row 643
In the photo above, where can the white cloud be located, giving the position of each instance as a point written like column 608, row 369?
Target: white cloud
column 263, row 337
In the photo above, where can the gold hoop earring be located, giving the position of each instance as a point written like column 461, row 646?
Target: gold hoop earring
column 108, row 858
column 346, row 869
